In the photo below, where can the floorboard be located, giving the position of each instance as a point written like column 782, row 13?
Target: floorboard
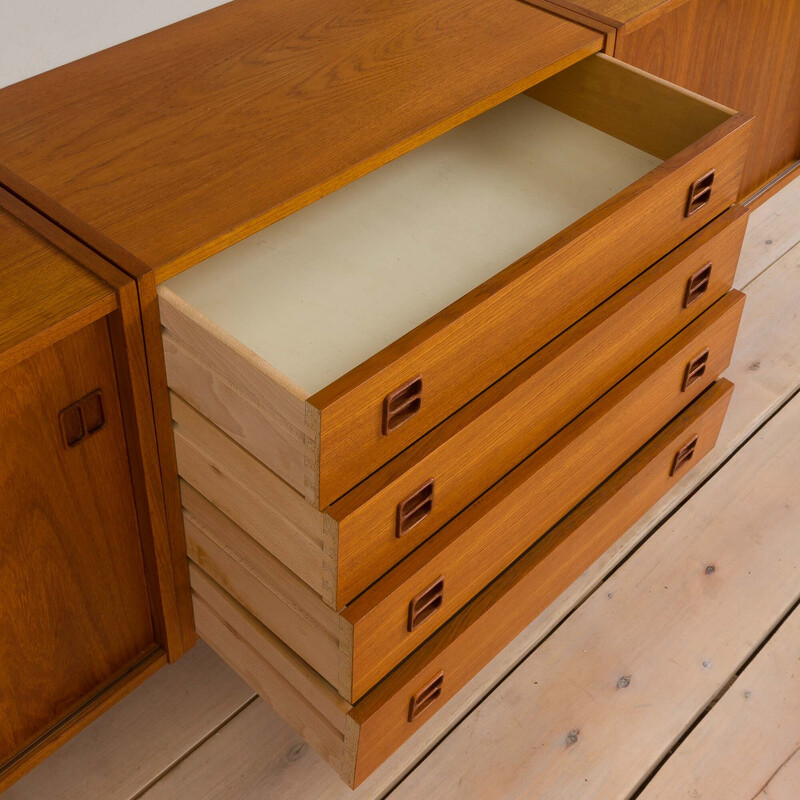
column 772, row 231
column 748, row 746
column 119, row 755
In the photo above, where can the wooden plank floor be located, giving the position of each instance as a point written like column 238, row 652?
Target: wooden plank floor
column 670, row 669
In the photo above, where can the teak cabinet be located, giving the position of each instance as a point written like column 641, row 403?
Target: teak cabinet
column 392, row 340
column 743, row 53
column 87, row 572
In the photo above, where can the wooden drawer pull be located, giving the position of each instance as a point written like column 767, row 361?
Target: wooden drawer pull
column 425, row 697
column 697, row 285
column 82, row 418
column 695, row 369
column 699, row 193
column 401, row 404
column 684, row 455
column 414, row 508
column 425, row 604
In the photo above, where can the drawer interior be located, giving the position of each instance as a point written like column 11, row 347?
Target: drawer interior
column 319, row 292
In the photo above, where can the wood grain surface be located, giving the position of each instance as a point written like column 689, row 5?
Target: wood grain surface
column 678, row 631
column 558, row 283
column 45, row 294
column 748, row 746
column 191, row 137
column 493, row 618
column 268, row 589
column 253, row 497
column 74, row 598
column 105, row 697
column 355, row 538
column 165, row 718
column 163, row 546
column 201, row 743
column 484, row 539
column 249, row 400
column 356, row 741
column 481, row 442
column 743, row 53
column 627, row 14
column 326, row 444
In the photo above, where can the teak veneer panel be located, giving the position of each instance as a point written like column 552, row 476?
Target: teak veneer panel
column 44, row 270
column 167, row 148
column 343, row 550
column 357, row 739
column 38, row 304
column 354, row 649
column 479, row 543
column 75, row 602
column 741, row 53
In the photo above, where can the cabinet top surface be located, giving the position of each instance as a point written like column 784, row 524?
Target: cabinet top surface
column 168, row 148
column 41, row 288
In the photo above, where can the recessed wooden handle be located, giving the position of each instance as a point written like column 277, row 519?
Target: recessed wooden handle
column 426, row 697
column 82, row 418
column 695, row 369
column 684, row 455
column 700, row 193
column 414, row 508
column 697, row 285
column 425, row 604
column 401, row 404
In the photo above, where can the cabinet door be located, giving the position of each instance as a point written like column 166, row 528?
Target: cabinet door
column 74, row 609
column 743, row 53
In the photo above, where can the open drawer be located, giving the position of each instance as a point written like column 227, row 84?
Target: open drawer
column 339, row 552
column 355, row 649
column 356, row 739
column 332, row 340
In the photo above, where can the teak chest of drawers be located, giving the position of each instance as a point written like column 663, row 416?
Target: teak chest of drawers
column 339, row 513
column 461, row 314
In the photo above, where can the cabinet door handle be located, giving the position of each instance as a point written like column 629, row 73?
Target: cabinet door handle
column 82, row 418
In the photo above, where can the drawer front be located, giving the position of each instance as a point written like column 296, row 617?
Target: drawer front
column 404, row 607
column 402, row 504
column 457, row 652
column 377, row 409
